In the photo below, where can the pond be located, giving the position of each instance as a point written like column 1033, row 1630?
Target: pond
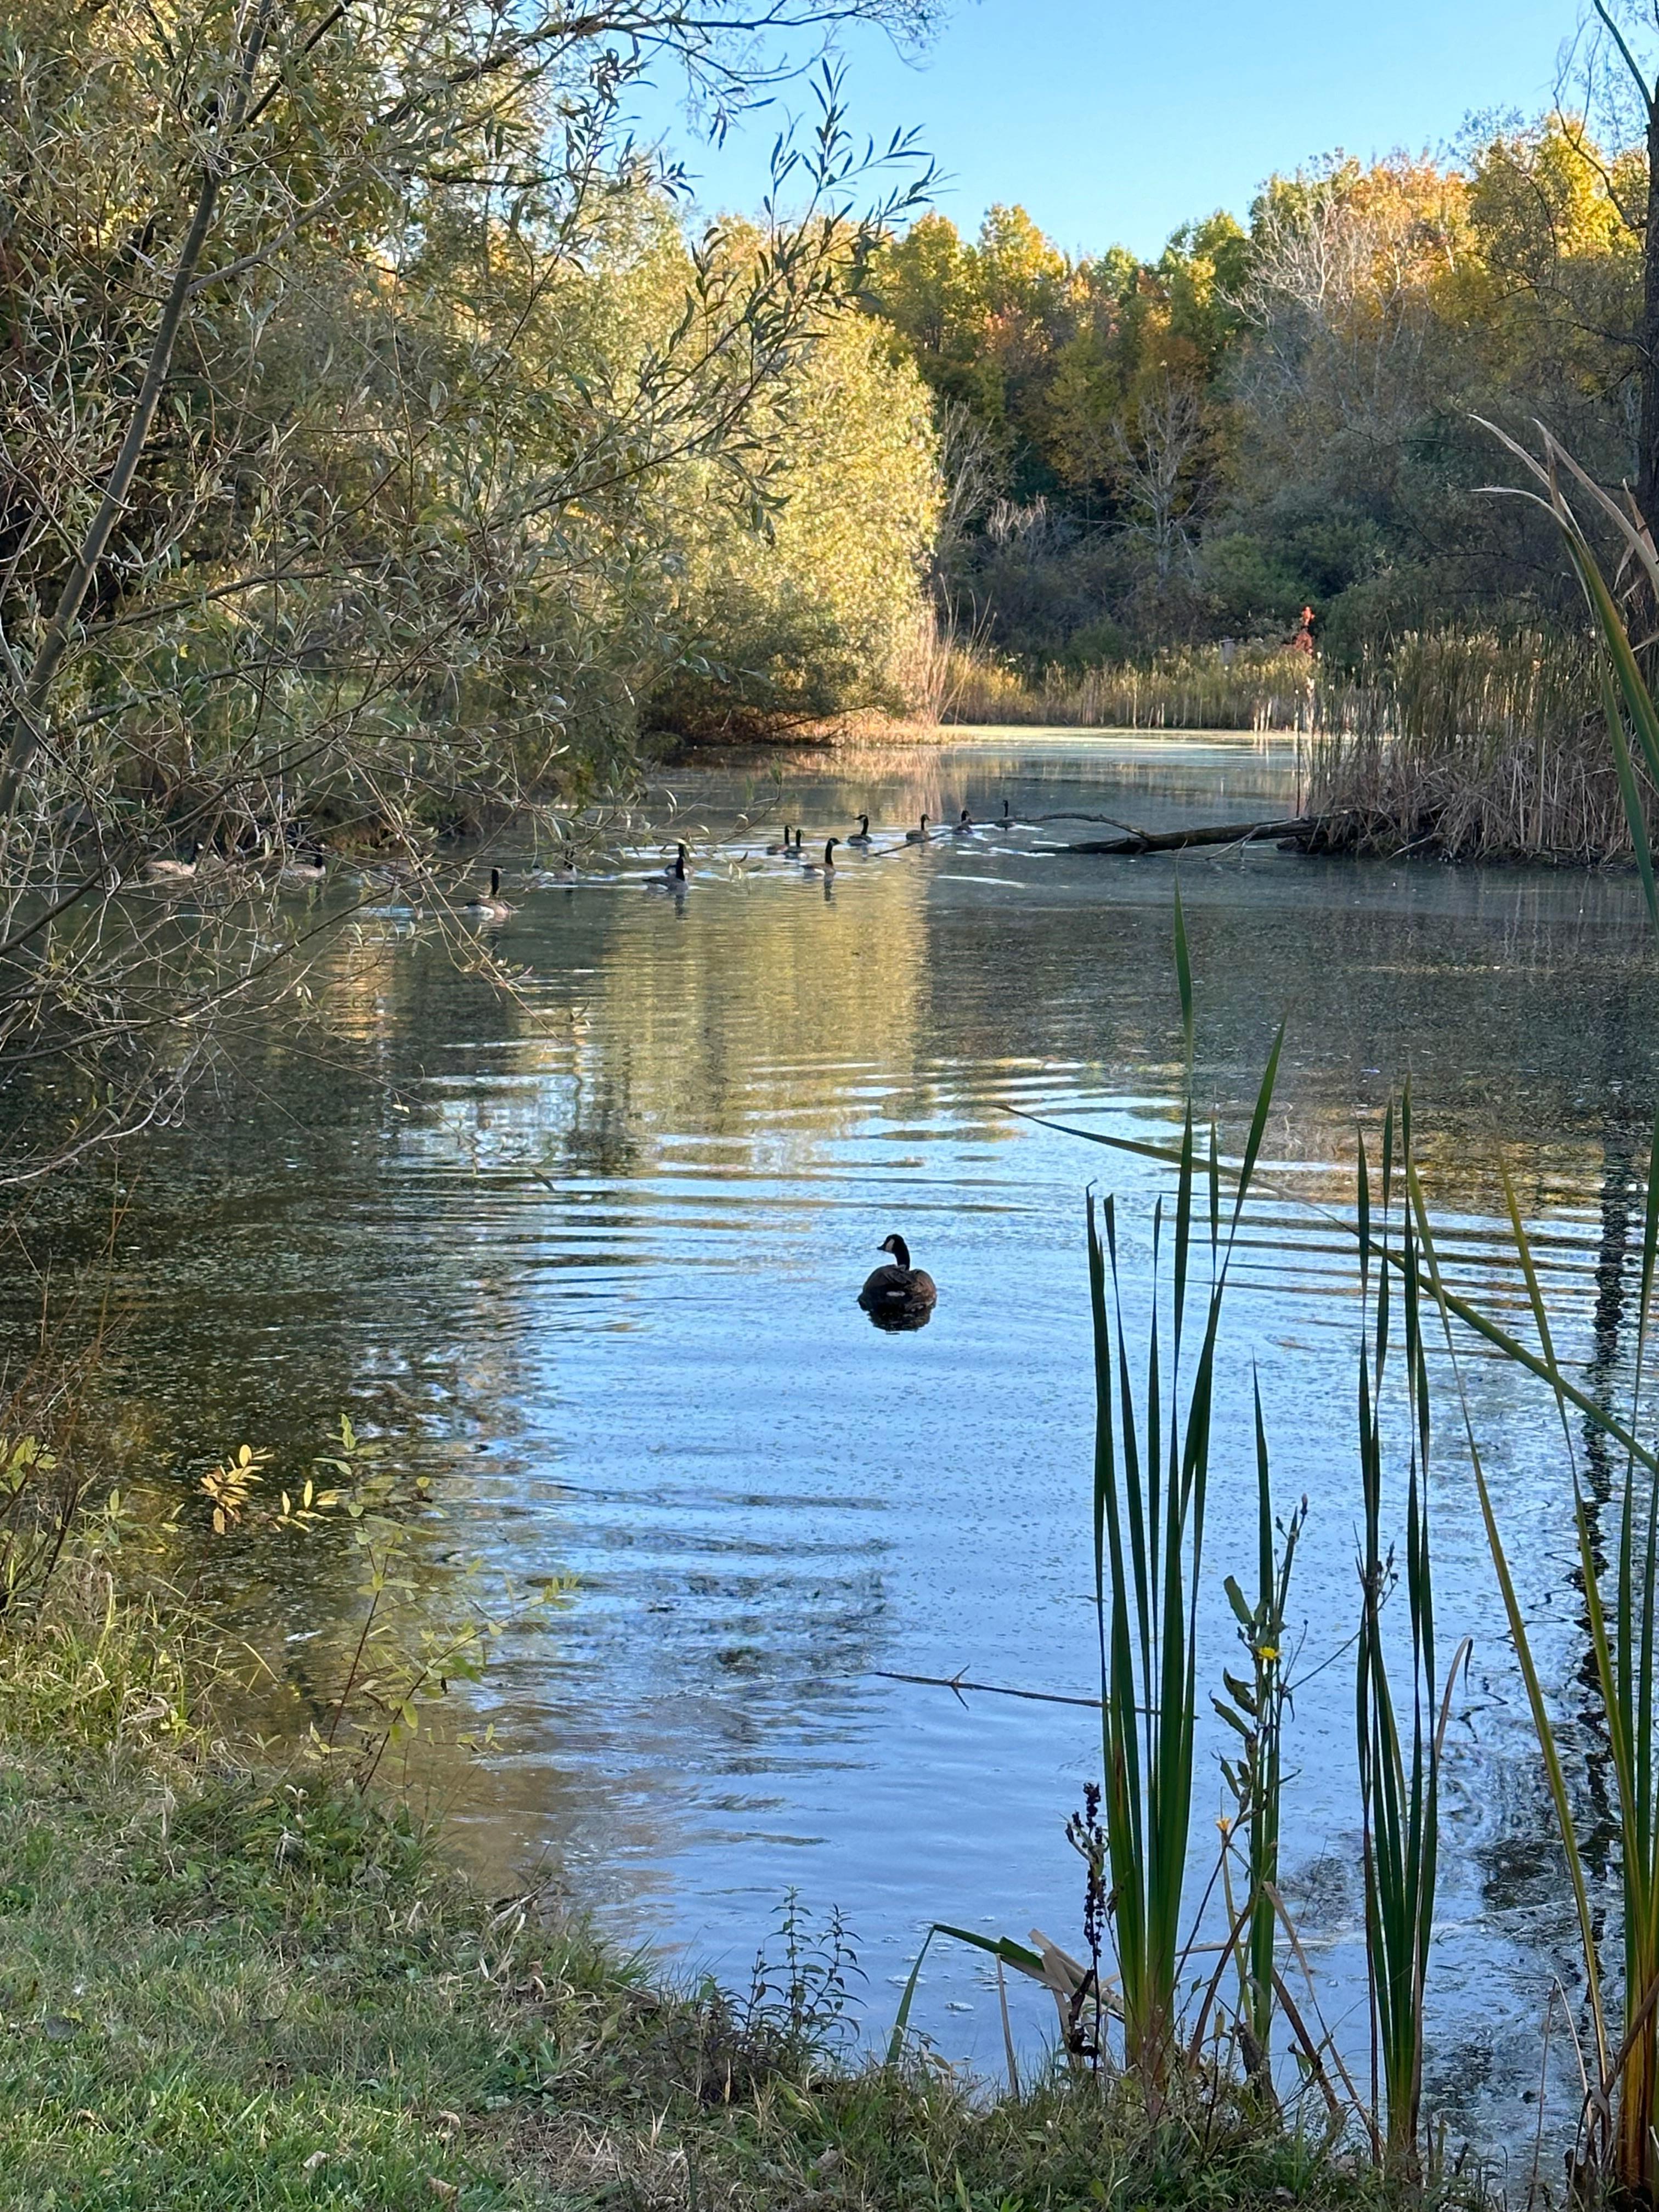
column 588, row 1256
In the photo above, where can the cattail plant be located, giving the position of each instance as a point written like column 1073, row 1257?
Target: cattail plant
column 1399, row 1769
column 1154, row 1424
column 1619, row 2136
column 1256, row 1708
column 1153, row 1453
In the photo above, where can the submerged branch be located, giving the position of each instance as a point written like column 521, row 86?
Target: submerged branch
column 1221, row 833
column 960, row 1682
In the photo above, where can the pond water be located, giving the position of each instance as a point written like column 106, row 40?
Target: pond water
column 588, row 1256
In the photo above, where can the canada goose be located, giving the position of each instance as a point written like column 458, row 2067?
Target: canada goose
column 899, row 1288
column 827, row 866
column 863, row 836
column 673, row 877
column 799, row 856
column 173, row 872
column 917, row 836
column 303, row 872
column 1007, row 816
column 784, row 850
column 963, row 827
column 495, row 908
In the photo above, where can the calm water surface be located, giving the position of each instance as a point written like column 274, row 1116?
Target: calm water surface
column 590, row 1260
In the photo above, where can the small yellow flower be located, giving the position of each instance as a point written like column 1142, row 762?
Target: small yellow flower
column 1269, row 1652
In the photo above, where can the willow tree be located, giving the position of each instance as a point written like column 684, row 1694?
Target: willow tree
column 328, row 479
column 810, row 617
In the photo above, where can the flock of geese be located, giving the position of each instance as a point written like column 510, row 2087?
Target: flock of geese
column 676, row 874
column 304, row 867
column 896, row 1297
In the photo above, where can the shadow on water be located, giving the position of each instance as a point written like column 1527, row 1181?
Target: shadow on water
column 589, row 1260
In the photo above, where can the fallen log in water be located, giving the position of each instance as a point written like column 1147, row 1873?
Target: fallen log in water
column 1298, row 828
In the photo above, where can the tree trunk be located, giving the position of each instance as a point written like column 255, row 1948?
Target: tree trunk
column 1216, row 833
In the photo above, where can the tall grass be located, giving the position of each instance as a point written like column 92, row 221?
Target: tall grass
column 1150, row 1492
column 1152, row 1471
column 1618, row 2142
column 1257, row 1711
column 1151, row 1468
column 1476, row 743
column 1398, row 1785
column 1186, row 688
column 1154, row 1415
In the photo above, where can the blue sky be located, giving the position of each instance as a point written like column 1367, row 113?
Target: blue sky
column 1112, row 122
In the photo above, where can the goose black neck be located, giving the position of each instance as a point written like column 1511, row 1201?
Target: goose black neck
column 901, row 1253
column 494, row 883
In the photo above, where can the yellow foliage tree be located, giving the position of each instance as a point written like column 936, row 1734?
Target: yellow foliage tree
column 806, row 614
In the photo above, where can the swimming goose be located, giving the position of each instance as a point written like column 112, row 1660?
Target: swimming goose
column 673, row 877
column 827, row 867
column 898, row 1288
column 173, row 872
column 495, row 908
column 782, row 851
column 299, row 872
column 863, row 836
column 964, row 826
column 917, row 836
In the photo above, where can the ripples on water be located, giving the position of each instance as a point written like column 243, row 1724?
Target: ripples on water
column 591, row 1260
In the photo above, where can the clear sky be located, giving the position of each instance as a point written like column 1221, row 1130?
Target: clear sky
column 1114, row 120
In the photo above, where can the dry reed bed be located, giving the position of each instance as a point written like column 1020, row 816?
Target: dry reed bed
column 1469, row 743
column 1181, row 690
column 1476, row 745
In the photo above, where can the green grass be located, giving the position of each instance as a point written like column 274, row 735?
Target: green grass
column 217, row 1993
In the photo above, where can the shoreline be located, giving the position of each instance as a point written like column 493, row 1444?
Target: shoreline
column 223, row 1986
column 1375, row 833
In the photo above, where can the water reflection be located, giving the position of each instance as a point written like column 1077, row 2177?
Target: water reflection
column 901, row 1320
column 590, row 1258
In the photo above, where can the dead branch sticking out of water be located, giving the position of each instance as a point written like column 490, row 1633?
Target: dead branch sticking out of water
column 1297, row 829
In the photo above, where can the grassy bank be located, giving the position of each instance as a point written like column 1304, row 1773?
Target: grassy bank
column 222, row 1988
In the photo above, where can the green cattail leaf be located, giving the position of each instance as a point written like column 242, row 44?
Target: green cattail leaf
column 1183, row 972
